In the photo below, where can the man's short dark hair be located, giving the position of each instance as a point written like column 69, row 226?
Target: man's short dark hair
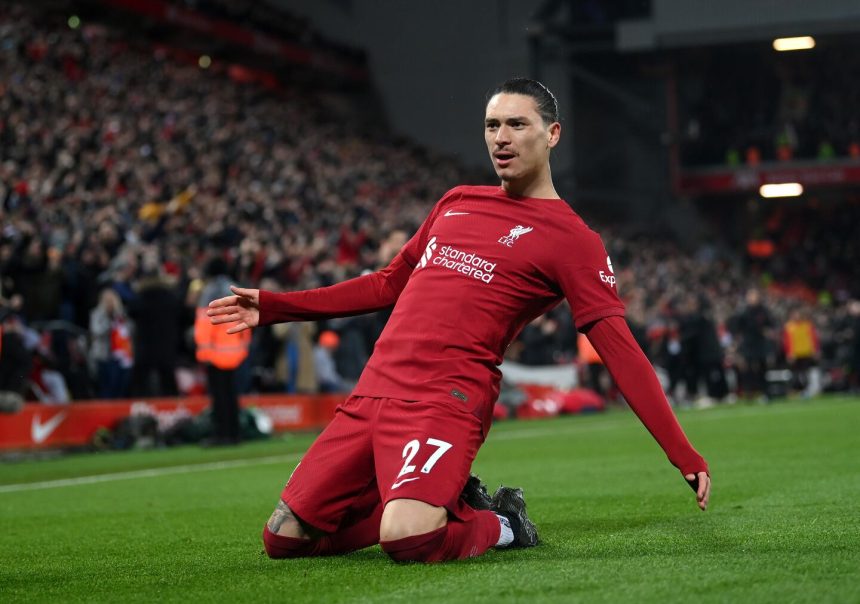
column 546, row 104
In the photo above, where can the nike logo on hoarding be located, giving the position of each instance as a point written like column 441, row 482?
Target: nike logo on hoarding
column 405, row 480
column 40, row 432
column 450, row 213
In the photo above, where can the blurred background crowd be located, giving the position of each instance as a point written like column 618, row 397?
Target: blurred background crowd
column 797, row 108
column 130, row 175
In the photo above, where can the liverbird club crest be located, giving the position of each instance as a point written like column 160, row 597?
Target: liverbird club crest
column 515, row 234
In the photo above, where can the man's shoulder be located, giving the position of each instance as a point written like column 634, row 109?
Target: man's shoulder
column 471, row 190
column 570, row 221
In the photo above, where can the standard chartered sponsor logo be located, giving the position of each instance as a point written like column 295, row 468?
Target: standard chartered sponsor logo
column 428, row 252
column 469, row 264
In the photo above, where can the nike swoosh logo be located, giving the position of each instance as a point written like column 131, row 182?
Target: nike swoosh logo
column 405, row 480
column 450, row 213
column 40, row 432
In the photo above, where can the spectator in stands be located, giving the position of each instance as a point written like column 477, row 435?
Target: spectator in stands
column 541, row 341
column 703, row 353
column 802, row 349
column 300, row 365
column 111, row 345
column 667, row 334
column 35, row 272
column 854, row 347
column 754, row 328
column 15, row 362
column 159, row 319
column 328, row 379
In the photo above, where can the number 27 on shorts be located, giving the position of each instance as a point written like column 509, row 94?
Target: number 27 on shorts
column 411, row 450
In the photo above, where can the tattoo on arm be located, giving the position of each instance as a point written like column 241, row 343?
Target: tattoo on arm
column 281, row 514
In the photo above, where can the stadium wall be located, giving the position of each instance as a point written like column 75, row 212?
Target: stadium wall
column 699, row 22
column 432, row 63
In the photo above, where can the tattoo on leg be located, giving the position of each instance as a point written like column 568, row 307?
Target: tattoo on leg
column 281, row 514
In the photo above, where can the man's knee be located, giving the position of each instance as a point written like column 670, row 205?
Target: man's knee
column 286, row 536
column 284, row 523
column 403, row 518
column 278, row 546
column 412, row 530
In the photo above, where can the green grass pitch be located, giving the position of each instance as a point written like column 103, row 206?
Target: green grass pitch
column 617, row 521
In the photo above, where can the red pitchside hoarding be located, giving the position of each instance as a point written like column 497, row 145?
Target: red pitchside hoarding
column 726, row 180
column 42, row 426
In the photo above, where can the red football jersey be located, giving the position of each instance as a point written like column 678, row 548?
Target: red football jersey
column 482, row 265
column 485, row 264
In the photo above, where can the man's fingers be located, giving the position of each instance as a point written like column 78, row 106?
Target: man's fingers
column 221, row 310
column 704, row 493
column 226, row 301
column 237, row 328
column 241, row 291
column 701, row 484
column 693, row 481
column 224, row 318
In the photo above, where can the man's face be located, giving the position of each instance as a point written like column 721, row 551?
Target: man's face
column 517, row 138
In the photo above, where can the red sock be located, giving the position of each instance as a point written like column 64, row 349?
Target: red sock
column 455, row 541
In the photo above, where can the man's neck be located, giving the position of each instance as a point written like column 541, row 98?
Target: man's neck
column 539, row 188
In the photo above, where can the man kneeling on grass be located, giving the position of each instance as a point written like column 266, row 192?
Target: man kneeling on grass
column 392, row 465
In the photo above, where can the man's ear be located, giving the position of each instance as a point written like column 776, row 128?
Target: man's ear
column 554, row 134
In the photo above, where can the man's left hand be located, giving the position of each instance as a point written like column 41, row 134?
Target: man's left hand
column 701, row 483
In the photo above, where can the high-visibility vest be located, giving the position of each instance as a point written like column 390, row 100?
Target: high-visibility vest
column 800, row 339
column 216, row 346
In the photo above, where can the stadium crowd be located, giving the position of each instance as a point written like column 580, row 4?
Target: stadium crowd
column 781, row 106
column 124, row 171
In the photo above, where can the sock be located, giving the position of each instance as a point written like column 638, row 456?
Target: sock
column 455, row 541
column 507, row 534
column 279, row 546
column 418, row 548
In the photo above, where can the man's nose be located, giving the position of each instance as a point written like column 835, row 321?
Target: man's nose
column 502, row 136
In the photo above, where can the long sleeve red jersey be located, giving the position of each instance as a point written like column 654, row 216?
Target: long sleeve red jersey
column 483, row 265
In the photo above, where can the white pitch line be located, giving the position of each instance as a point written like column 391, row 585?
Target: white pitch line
column 240, row 463
column 558, row 431
column 152, row 472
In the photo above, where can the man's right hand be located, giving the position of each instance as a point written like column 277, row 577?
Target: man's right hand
column 243, row 309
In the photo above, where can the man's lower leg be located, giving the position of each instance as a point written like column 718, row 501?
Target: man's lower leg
column 284, row 536
column 456, row 540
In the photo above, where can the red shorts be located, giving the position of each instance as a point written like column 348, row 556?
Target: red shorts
column 401, row 449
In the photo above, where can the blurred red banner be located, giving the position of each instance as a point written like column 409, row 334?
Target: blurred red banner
column 728, row 180
column 37, row 425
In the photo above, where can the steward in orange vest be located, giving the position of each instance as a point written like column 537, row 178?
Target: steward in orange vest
column 221, row 353
column 215, row 345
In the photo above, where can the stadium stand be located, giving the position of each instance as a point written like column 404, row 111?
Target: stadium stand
column 127, row 166
column 782, row 107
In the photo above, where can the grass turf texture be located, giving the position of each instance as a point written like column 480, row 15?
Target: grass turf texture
column 617, row 522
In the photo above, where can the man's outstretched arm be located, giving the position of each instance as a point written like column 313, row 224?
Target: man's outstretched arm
column 364, row 294
column 368, row 293
column 638, row 383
